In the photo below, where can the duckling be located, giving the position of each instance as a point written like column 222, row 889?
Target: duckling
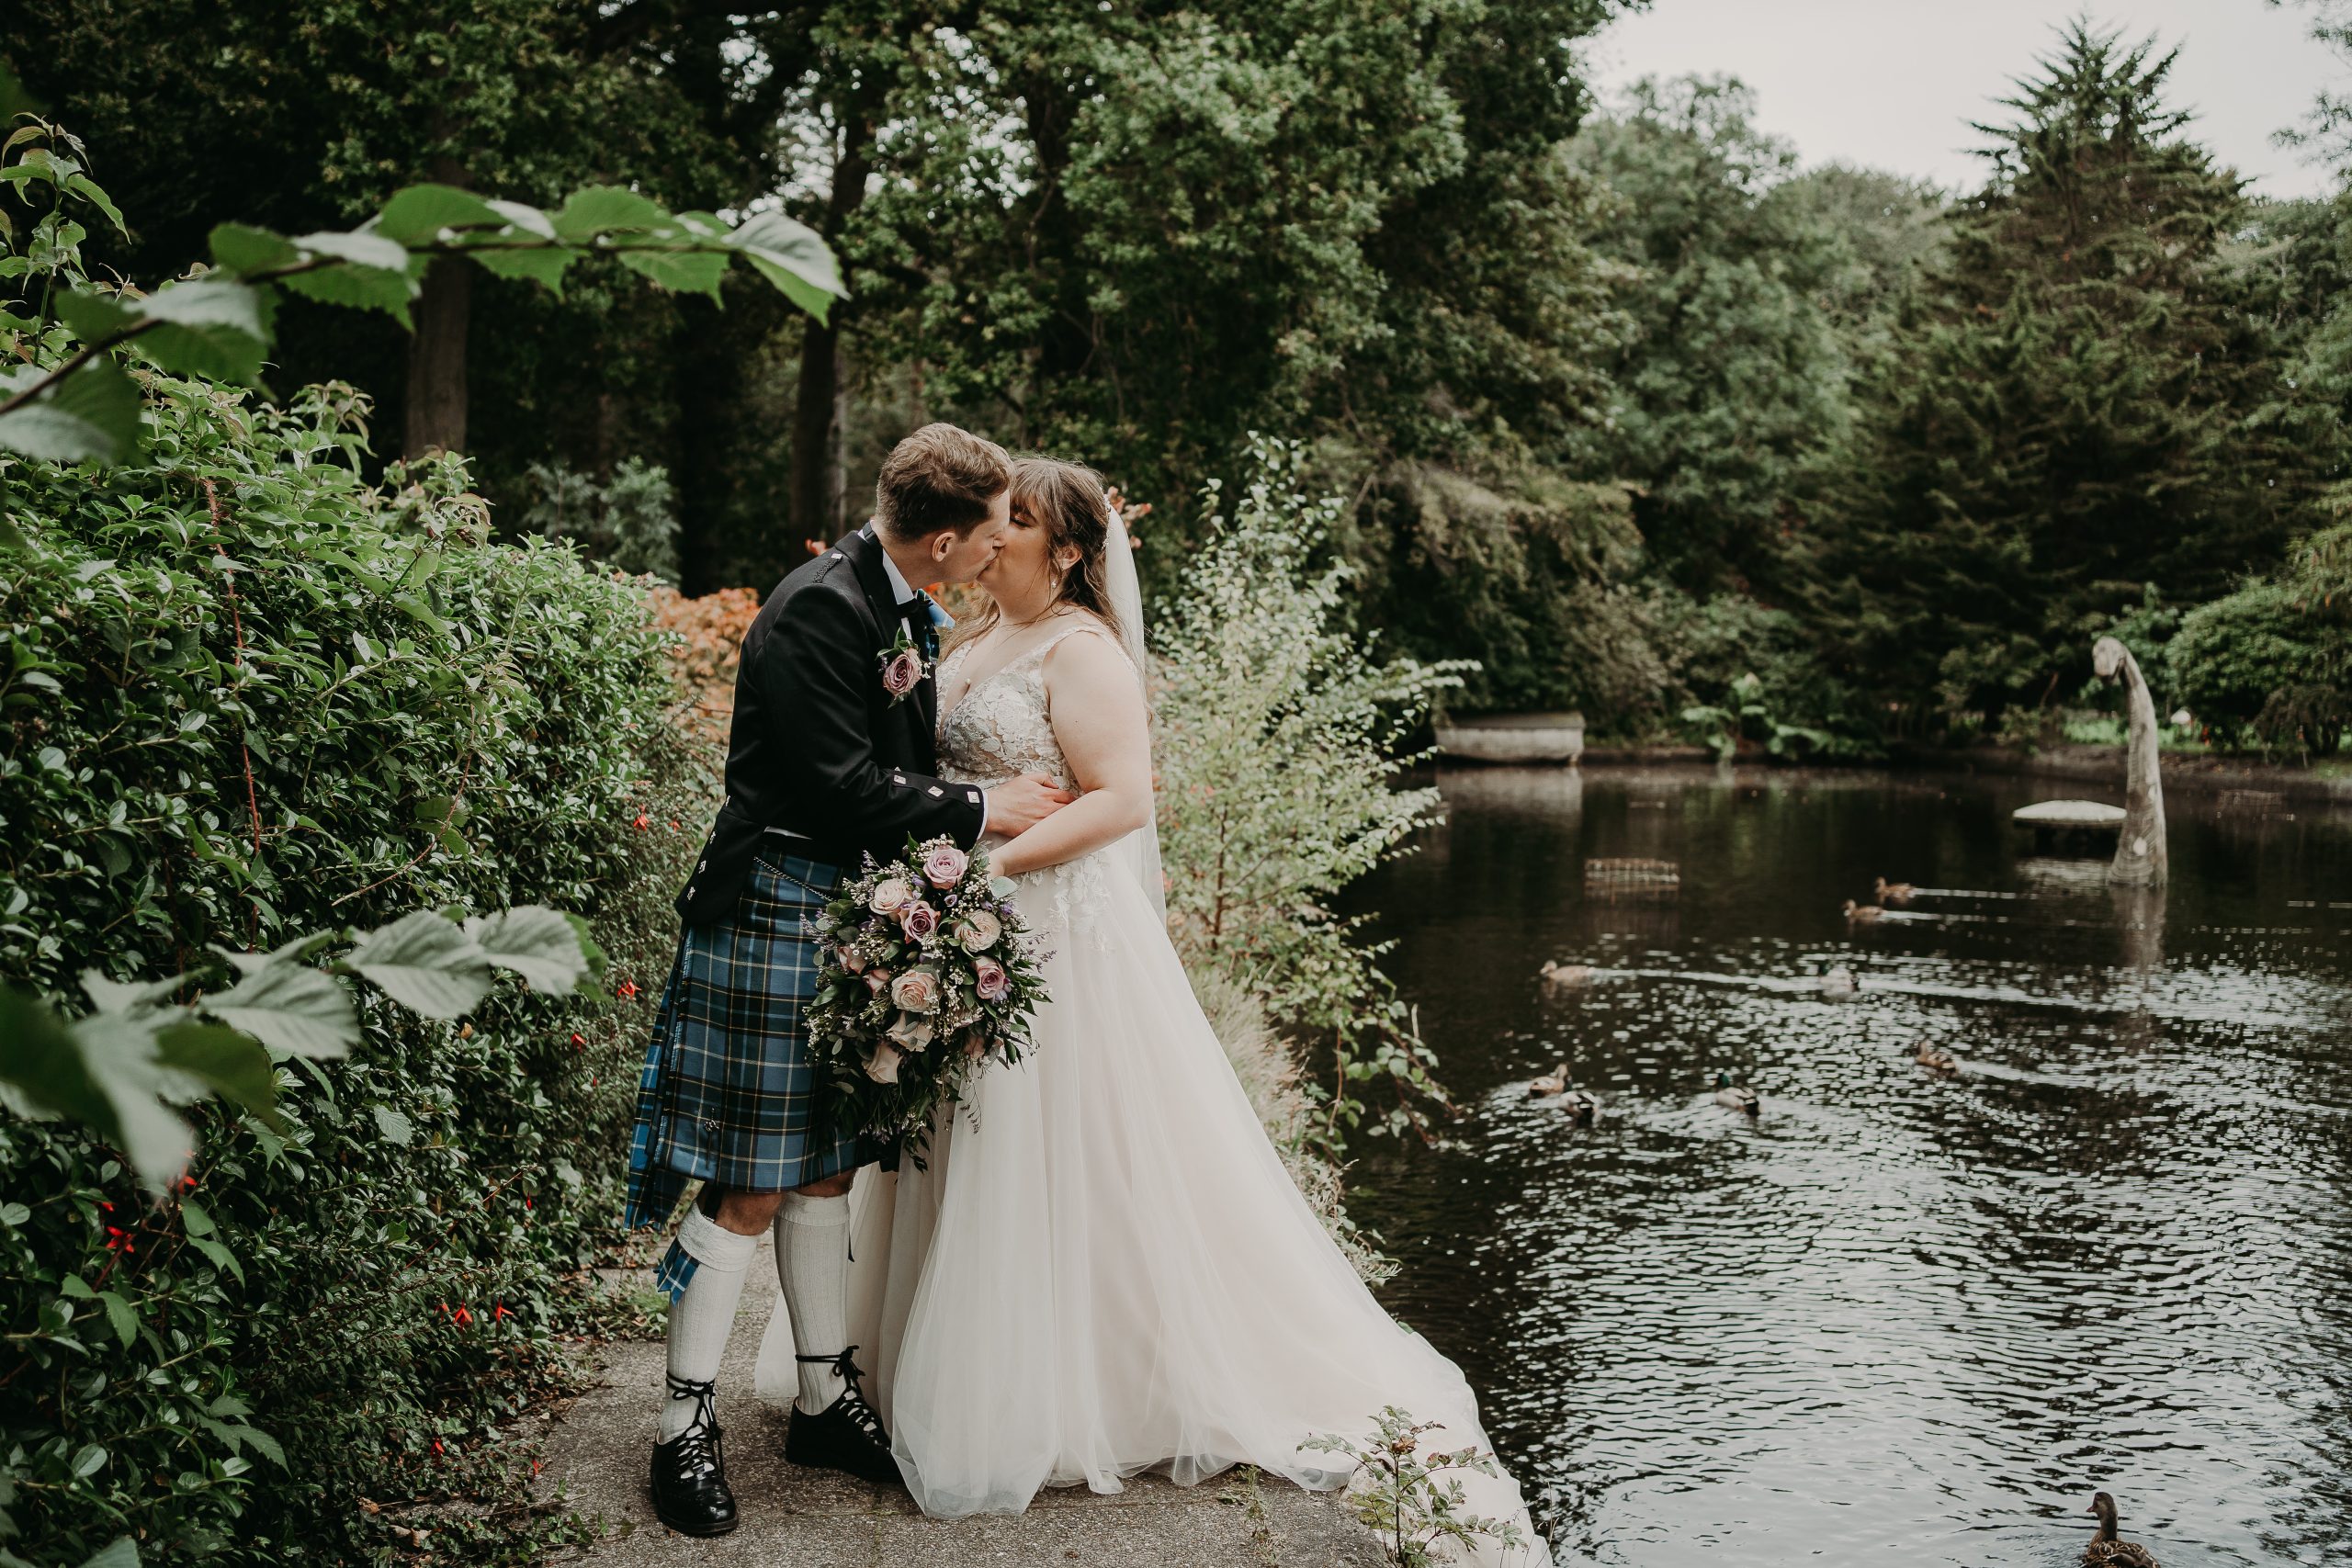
column 2109, row 1549
column 1555, row 972
column 1895, row 892
column 1554, row 1082
column 1862, row 911
column 1942, row 1063
column 1736, row 1096
column 1838, row 981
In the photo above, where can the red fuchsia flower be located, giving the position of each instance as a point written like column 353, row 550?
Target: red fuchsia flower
column 989, row 978
column 462, row 1318
column 579, row 1042
column 628, row 990
column 118, row 1240
column 919, row 920
column 502, row 1315
column 944, row 865
column 902, row 672
column 642, row 822
column 436, row 1446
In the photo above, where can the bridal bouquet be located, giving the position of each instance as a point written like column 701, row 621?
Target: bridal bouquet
column 928, row 975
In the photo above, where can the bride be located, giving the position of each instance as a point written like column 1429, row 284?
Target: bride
column 1105, row 1268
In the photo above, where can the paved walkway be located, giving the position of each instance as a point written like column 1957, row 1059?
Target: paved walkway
column 792, row 1517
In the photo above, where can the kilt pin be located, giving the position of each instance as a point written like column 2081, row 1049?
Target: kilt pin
column 824, row 768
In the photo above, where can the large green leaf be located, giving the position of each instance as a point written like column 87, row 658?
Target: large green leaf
column 122, row 1553
column 603, row 209
column 543, row 265
column 92, row 414
column 418, row 214
column 685, row 272
column 231, row 1063
column 793, row 257
column 41, row 1059
column 535, row 942
column 373, row 274
column 289, row 1007
column 239, row 249
column 424, row 963
column 213, row 327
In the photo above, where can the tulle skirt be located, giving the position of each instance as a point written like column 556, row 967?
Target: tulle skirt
column 1106, row 1268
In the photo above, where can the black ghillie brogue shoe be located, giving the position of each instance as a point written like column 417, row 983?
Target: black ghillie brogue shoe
column 848, row 1436
column 690, row 1492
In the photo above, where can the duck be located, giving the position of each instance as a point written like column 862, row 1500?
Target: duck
column 1581, row 1107
column 1736, row 1096
column 1555, row 972
column 1863, row 911
column 1838, row 981
column 1944, row 1063
column 2109, row 1549
column 1895, row 892
column 1554, row 1082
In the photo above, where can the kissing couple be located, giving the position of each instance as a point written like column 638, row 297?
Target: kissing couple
column 1104, row 1267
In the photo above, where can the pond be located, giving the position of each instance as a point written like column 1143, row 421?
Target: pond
column 1898, row 1311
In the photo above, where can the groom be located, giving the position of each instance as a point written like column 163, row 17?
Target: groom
column 827, row 762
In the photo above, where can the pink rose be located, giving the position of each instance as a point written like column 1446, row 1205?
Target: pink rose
column 917, row 990
column 978, row 932
column 944, row 865
column 919, row 920
column 890, row 896
column 876, row 979
column 850, row 960
column 902, row 672
column 883, row 1066
column 975, row 1044
column 991, row 980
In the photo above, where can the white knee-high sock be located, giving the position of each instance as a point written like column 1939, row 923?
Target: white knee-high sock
column 812, row 1265
column 704, row 1312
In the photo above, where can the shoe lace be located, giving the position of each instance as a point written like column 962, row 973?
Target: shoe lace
column 851, row 1403
column 699, row 1451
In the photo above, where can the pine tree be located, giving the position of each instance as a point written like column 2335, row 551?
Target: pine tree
column 2076, row 414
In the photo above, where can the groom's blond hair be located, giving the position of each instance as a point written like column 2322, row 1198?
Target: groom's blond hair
column 941, row 476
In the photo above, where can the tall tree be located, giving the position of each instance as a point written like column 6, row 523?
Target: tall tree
column 2075, row 416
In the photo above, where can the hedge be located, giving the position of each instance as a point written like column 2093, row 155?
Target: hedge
column 248, row 693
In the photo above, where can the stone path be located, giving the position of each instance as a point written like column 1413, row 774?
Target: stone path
column 595, row 1462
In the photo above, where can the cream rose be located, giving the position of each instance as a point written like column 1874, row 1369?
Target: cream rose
column 978, row 932
column 910, row 1034
column 917, row 990
column 883, row 1066
column 890, row 895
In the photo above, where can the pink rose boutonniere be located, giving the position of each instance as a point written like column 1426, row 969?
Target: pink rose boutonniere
column 902, row 667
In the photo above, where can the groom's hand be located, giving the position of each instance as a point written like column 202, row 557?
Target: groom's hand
column 1020, row 804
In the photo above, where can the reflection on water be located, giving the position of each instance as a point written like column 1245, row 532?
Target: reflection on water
column 1899, row 1312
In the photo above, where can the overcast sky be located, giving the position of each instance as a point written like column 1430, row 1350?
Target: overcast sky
column 1893, row 84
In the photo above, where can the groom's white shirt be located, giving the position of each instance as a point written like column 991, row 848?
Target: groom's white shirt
column 902, row 595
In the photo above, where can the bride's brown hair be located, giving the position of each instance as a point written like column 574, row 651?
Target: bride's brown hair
column 1067, row 501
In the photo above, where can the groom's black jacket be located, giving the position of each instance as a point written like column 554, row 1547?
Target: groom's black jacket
column 818, row 747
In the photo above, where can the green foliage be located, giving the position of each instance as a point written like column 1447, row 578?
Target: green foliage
column 1413, row 1497
column 2255, row 663
column 2083, row 408
column 628, row 522
column 1279, row 743
column 247, row 694
column 76, row 403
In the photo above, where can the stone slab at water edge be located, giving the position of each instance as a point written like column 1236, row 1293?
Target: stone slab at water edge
column 1512, row 737
column 794, row 1517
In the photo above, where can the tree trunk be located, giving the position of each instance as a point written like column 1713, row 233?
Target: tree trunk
column 818, row 503
column 436, row 360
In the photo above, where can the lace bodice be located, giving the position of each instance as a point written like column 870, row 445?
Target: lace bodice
column 1000, row 727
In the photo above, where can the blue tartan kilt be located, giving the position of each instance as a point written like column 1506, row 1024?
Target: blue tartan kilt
column 729, row 1094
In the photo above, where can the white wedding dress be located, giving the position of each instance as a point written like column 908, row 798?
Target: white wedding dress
column 1105, row 1268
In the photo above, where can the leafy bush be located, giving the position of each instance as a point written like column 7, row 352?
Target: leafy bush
column 630, row 522
column 1280, row 737
column 248, row 694
column 2234, row 655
